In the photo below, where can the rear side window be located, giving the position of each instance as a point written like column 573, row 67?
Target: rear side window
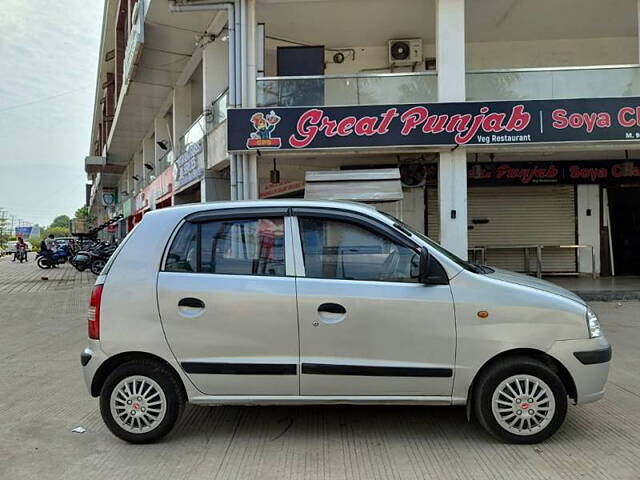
column 183, row 254
column 230, row 247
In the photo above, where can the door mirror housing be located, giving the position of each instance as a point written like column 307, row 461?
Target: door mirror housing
column 425, row 264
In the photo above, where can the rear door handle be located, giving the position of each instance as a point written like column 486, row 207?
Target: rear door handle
column 191, row 302
column 332, row 308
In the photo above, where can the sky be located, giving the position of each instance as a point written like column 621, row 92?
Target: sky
column 48, row 63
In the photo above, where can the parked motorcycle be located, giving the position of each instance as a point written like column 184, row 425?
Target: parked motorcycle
column 94, row 258
column 21, row 253
column 46, row 260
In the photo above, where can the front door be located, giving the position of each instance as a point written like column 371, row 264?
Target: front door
column 367, row 327
column 228, row 307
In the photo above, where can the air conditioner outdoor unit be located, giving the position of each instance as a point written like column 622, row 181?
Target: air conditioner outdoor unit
column 405, row 51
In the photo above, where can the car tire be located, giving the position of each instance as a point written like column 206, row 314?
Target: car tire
column 119, row 397
column 520, row 400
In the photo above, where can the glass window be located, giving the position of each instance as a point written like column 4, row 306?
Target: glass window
column 345, row 251
column 243, row 247
column 183, row 253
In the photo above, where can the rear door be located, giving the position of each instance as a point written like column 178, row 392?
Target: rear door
column 367, row 327
column 227, row 305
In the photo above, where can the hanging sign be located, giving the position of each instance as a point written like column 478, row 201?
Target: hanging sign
column 437, row 124
column 189, row 167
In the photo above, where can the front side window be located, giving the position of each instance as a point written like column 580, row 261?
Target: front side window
column 231, row 247
column 345, row 251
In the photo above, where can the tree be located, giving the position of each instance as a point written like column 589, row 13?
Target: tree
column 61, row 221
column 83, row 213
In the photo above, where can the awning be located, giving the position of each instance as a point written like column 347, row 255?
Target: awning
column 375, row 185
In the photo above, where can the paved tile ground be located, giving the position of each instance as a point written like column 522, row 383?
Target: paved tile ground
column 42, row 397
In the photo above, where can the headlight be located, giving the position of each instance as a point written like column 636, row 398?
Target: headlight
column 593, row 324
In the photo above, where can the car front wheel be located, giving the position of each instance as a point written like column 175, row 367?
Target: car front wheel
column 520, row 400
column 141, row 401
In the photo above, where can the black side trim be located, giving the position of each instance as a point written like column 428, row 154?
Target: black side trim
column 594, row 356
column 237, row 213
column 85, row 358
column 240, row 368
column 374, row 371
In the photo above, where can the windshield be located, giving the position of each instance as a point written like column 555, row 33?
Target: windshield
column 472, row 267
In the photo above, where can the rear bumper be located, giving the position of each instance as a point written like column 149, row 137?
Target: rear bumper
column 91, row 358
column 588, row 363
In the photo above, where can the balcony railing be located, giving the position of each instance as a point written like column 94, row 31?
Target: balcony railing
column 362, row 89
column 421, row 87
column 217, row 113
column 166, row 160
column 550, row 83
column 206, row 122
column 194, row 133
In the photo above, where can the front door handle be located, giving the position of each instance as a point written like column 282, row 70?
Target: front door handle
column 330, row 314
column 191, row 302
column 334, row 308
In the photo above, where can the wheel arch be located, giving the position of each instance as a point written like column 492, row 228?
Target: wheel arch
column 114, row 362
column 553, row 363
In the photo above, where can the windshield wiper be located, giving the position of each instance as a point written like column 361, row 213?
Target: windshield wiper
column 483, row 269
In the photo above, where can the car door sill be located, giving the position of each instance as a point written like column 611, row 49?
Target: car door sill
column 325, row 399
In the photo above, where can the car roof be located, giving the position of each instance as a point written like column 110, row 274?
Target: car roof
column 286, row 202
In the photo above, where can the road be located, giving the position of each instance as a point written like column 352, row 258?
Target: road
column 42, row 398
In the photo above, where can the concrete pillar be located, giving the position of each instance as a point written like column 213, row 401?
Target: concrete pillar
column 161, row 133
column 251, row 182
column 450, row 55
column 181, row 113
column 452, row 169
column 452, row 193
column 138, row 171
column 213, row 189
column 588, row 204
column 151, row 152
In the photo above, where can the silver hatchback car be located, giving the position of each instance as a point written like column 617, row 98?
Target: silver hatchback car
column 300, row 302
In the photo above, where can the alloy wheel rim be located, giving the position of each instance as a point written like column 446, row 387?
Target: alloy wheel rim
column 138, row 404
column 523, row 405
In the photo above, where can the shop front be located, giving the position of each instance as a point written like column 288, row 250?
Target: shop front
column 162, row 189
column 557, row 216
column 559, row 208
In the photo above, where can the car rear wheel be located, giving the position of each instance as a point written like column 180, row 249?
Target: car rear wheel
column 141, row 401
column 520, row 400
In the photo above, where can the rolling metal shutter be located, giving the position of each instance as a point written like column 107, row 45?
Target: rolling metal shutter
column 517, row 215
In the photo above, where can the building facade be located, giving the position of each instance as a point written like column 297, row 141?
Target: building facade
column 515, row 126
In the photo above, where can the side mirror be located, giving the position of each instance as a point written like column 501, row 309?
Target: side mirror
column 425, row 264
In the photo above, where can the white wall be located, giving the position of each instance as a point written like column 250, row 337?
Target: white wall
column 215, row 71
column 552, row 53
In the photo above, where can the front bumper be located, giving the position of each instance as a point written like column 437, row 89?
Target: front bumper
column 91, row 358
column 588, row 363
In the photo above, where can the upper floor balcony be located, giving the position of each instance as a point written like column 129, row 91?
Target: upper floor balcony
column 421, row 87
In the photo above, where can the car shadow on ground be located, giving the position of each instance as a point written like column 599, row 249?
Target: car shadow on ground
column 274, row 423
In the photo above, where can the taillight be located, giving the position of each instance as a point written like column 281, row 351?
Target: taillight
column 94, row 312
